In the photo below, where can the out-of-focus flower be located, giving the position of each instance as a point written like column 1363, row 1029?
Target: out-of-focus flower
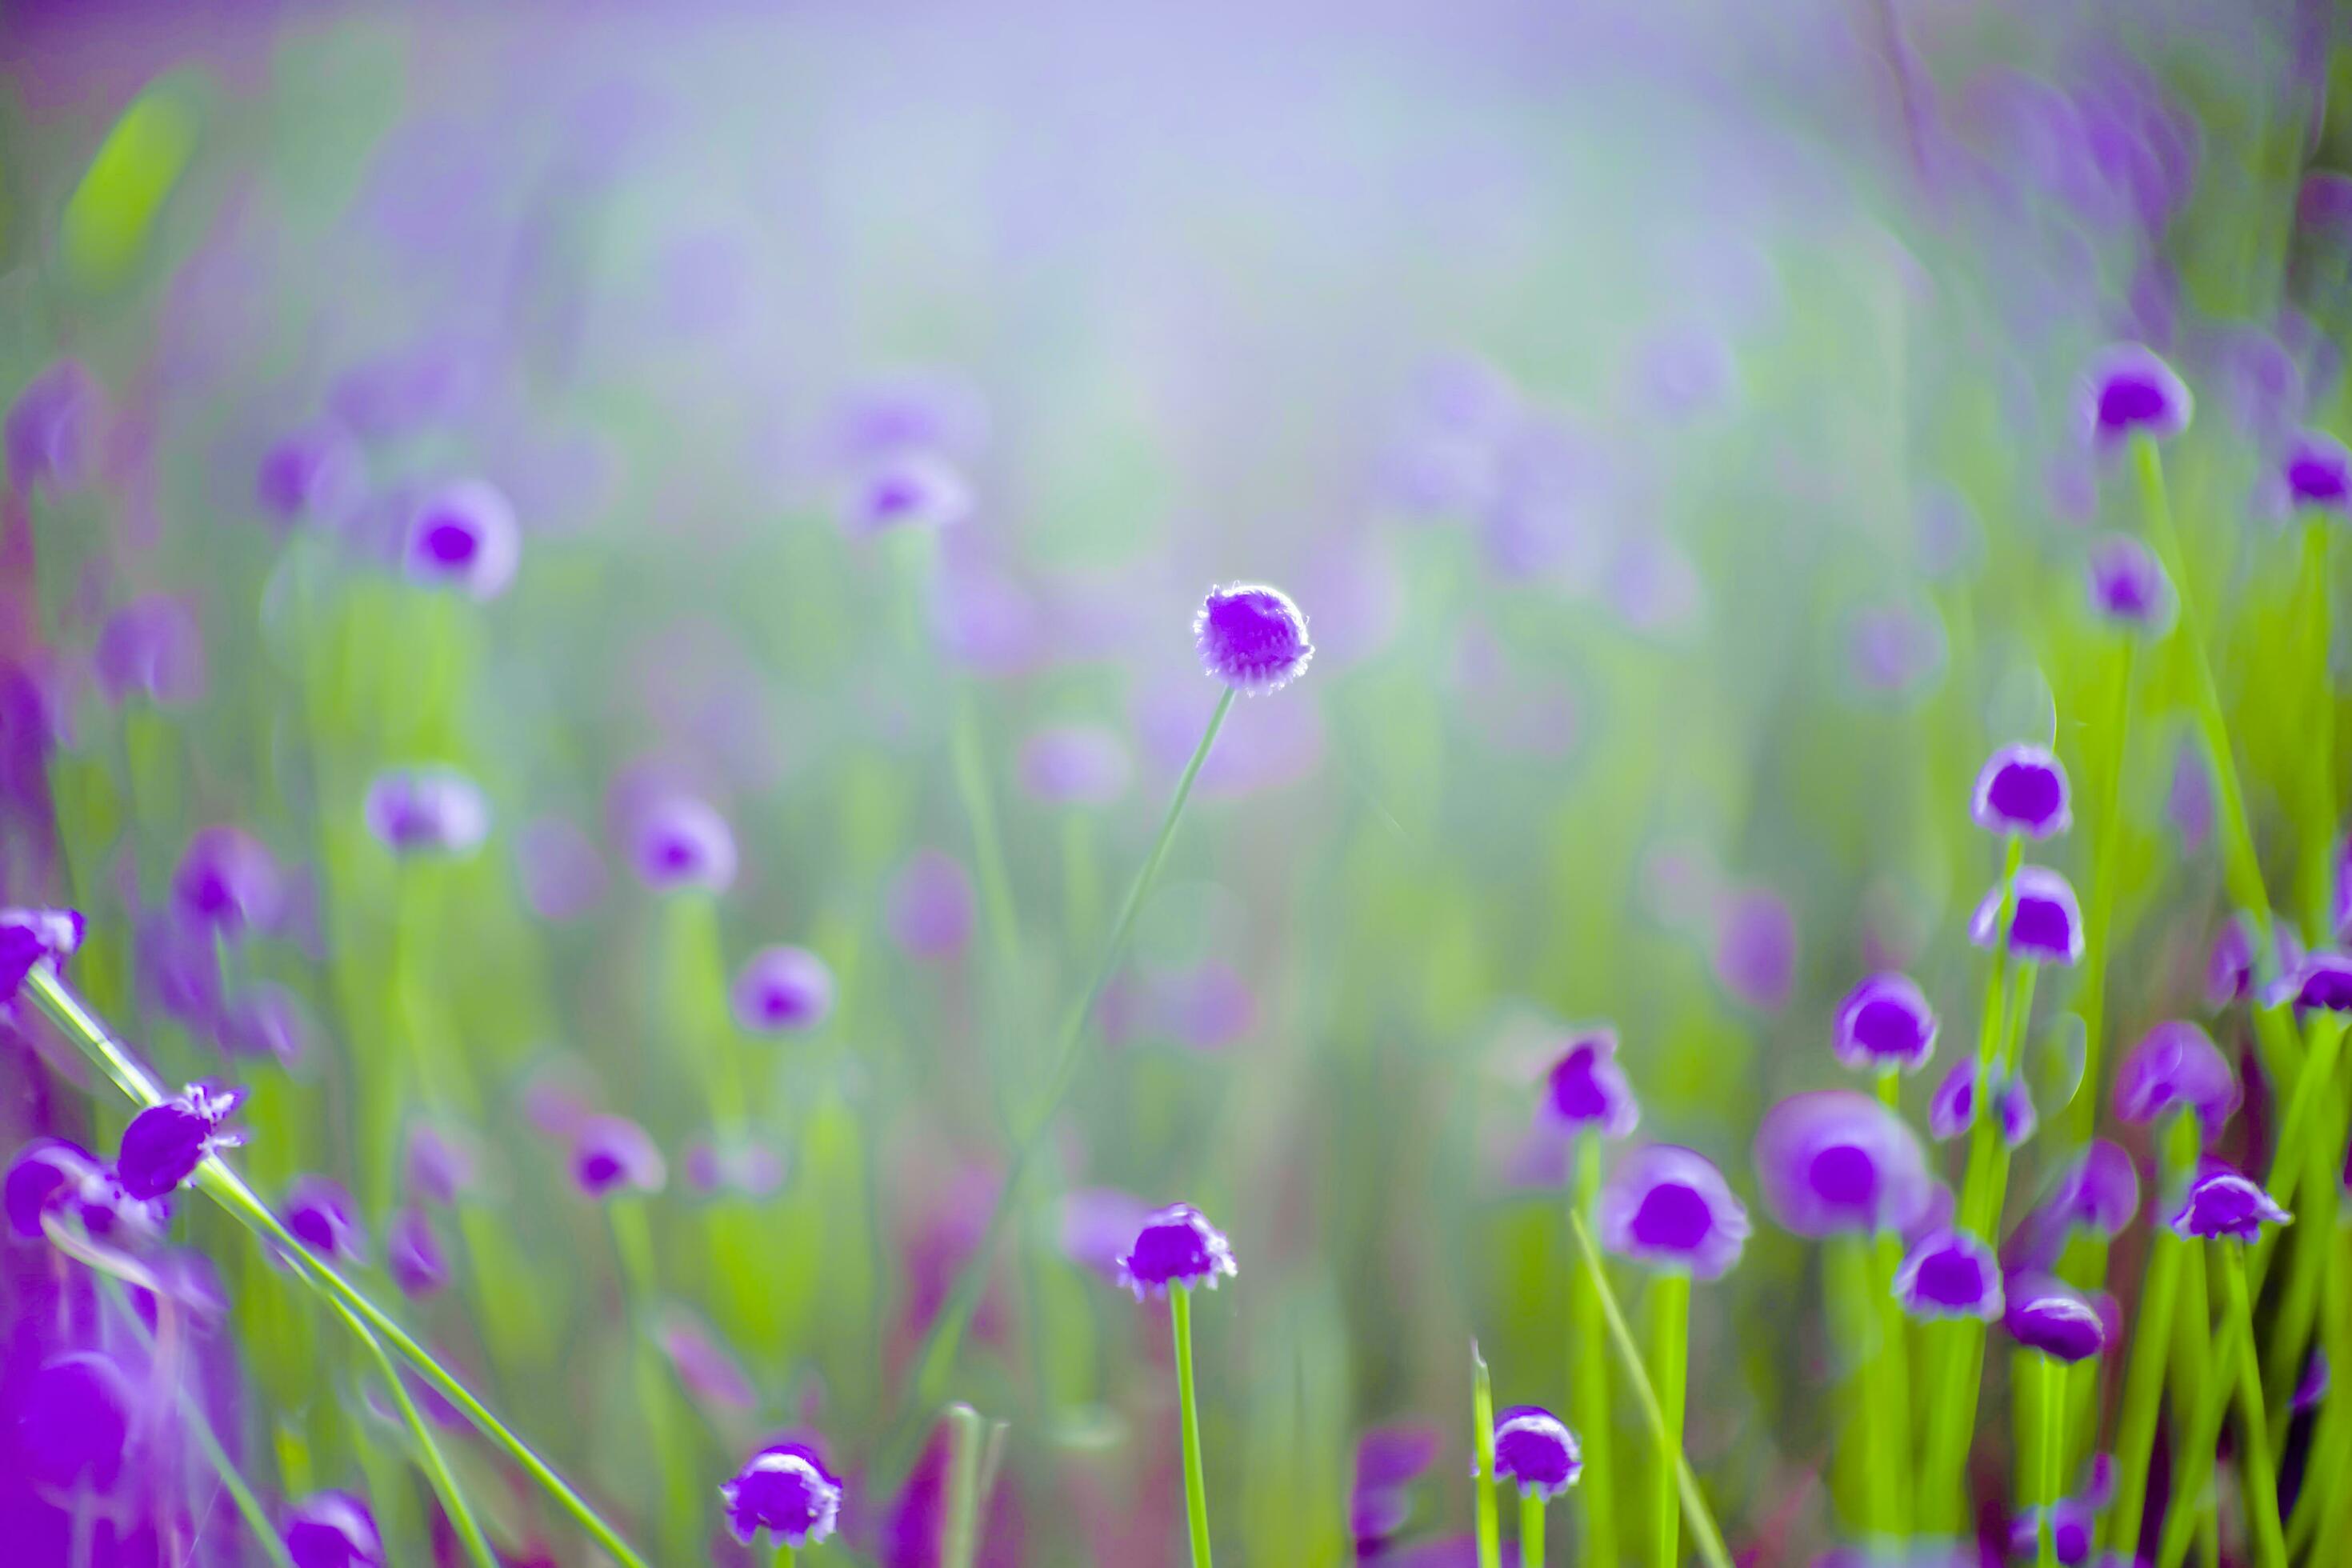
column 333, row 1529
column 733, row 1165
column 264, row 1020
column 1668, row 1207
column 2317, row 473
column 1098, row 1226
column 227, row 881
column 425, row 810
column 1251, row 637
column 465, row 537
column 909, row 410
column 1388, row 1459
column 2324, row 980
column 2046, row 926
column 413, row 1253
column 1950, row 1274
column 928, row 908
column 1756, row 948
column 314, row 476
column 1585, row 1089
column 166, row 1144
column 2314, row 1386
column 1176, row 1246
column 2343, row 910
column 1885, row 1024
column 562, row 875
column 2023, row 790
column 2130, row 391
column 787, row 1490
column 1535, row 1449
column 54, row 1173
column 610, row 1152
column 2230, row 971
column 152, row 647
column 2128, row 584
column 1076, row 764
column 703, row 1364
column 2047, row 1315
column 440, row 1165
column 2099, row 1191
column 2188, row 804
column 51, row 433
column 2015, row 1108
column 1895, row 648
column 681, row 841
column 76, row 1417
column 320, row 1212
column 2223, row 1203
column 29, row 936
column 783, row 990
column 2176, row 1067
column 907, row 489
column 1835, row 1160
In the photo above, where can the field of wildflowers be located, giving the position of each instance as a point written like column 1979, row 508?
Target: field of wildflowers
column 933, row 786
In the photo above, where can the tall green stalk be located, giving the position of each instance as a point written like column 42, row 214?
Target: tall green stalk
column 2151, row 1337
column 1589, row 1371
column 1196, row 1490
column 1670, row 1373
column 2048, row 1376
column 428, row 1452
column 1531, row 1531
column 2246, row 1373
column 1482, row 1483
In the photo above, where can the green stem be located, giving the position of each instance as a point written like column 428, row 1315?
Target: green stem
column 2051, row 1376
column 1669, row 1371
column 2305, row 1112
column 2112, row 738
column 960, row 1530
column 784, row 1556
column 673, row 1480
column 987, row 846
column 2331, row 1441
column 1531, row 1531
column 1872, row 1447
column 2144, row 1389
column 2253, row 1437
column 2319, row 744
column 2193, row 1460
column 1196, row 1490
column 436, row 1468
column 1588, row 1371
column 1482, row 1443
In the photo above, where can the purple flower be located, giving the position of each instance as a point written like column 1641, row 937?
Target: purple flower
column 313, row 475
column 2324, row 980
column 1756, row 948
column 50, row 435
column 2015, row 1108
column 2071, row 1523
column 783, row 990
column 610, row 1152
column 413, row 1253
column 2099, row 1191
column 166, row 1144
column 427, row 810
column 1670, row 1209
column 319, row 1213
column 787, row 1490
column 2046, row 1315
column 2130, row 390
column 2023, row 790
column 2128, row 583
column 2176, row 1067
column 1251, row 637
column 681, row 842
column 2223, row 1203
column 1953, row 1109
column 151, row 648
column 264, row 1020
column 465, row 538
column 28, row 936
column 439, row 1167
column 907, row 489
column 1885, row 1024
column 1076, row 764
column 1835, row 1160
column 227, row 880
column 53, row 1174
column 928, row 908
column 333, row 1529
column 2230, row 972
column 1535, row 1448
column 1586, row 1089
column 1950, row 1274
column 2318, row 473
column 1176, row 1246
column 2047, row 927
column 75, row 1417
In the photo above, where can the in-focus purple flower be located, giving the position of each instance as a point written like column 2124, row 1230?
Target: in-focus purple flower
column 2047, row 927
column 2317, row 473
column 2131, row 391
column 151, row 648
column 1175, row 1245
column 2230, row 971
column 907, row 489
column 2099, row 1191
column 75, row 1420
column 1950, row 1274
column 2015, row 1108
column 51, row 434
column 703, row 1364
column 227, row 880
column 427, row 810
column 1885, row 1024
column 413, row 1253
column 2128, row 583
column 2023, row 790
column 2324, row 980
column 440, row 1165
column 166, row 1144
column 1251, row 637
column 787, row 1490
column 2049, row 1316
column 1076, row 764
column 928, row 908
column 1835, row 1160
column 1585, row 1089
column 320, row 1212
column 681, row 841
column 333, row 1529
column 465, row 538
column 1953, row 1109
column 1756, row 948
column 783, row 990
column 28, row 936
column 264, row 1020
column 2223, row 1203
column 1668, row 1207
column 2176, row 1067
column 610, row 1152
column 1534, row 1448
column 313, row 475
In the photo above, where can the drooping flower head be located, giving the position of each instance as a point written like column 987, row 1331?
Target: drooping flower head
column 1177, row 1246
column 1953, row 1109
column 2046, row 926
column 1885, row 1024
column 333, row 1529
column 1835, row 1160
column 2220, row 1203
column 2128, row 584
column 929, row 907
column 2049, row 1316
column 2099, row 1191
column 1076, row 764
column 166, row 1144
column 2176, row 1067
column 1585, row 1089
column 2317, row 473
column 1670, row 1209
column 681, row 841
column 2130, row 391
column 320, row 1213
column 29, row 936
column 412, row 1252
column 1251, row 637
column 783, row 990
column 610, row 1152
column 1949, row 1273
column 2324, row 980
column 2023, row 790
column 784, row 1490
column 1535, row 1448
column 430, row 809
column 227, row 880
column 465, row 538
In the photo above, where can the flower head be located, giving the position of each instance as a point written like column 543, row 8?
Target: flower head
column 413, row 1253
column 2223, row 1203
column 1586, row 1089
column 29, row 936
column 2230, row 971
column 227, row 881
column 2176, row 1067
column 54, row 1173
column 1177, row 1246
column 2047, row 1315
column 2015, row 1108
column 2047, row 927
column 311, row 475
column 1885, row 1023
column 2128, row 584
column 333, row 1529
column 681, row 841
column 610, row 1152
column 1835, row 1161
column 783, row 990
column 1669, row 1207
column 320, row 1212
column 2324, row 980
column 2099, row 1192
column 907, row 489
column 1076, row 764
column 151, row 648
column 1251, row 637
column 784, row 1490
column 2023, row 790
column 2128, row 391
column 166, row 1144
column 1950, row 1274
column 465, row 538
column 1535, row 1448
column 432, row 809
column 2318, row 473
column 1953, row 1109
column 50, row 434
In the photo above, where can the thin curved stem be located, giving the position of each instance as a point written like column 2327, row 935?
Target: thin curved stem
column 1196, row 1488
column 436, row 1468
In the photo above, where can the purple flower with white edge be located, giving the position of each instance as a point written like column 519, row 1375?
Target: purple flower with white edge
column 2047, row 1315
column 2128, row 584
column 2045, row 927
column 1833, row 1160
column 2223, row 1203
column 2015, row 1108
column 29, row 936
column 1884, row 1024
column 2317, row 473
column 319, row 1212
column 2130, row 391
column 333, row 1529
column 2023, row 790
column 681, row 841
column 1076, row 764
column 2176, row 1067
column 1175, row 1245
column 166, row 1144
column 413, row 1253
column 1950, row 1274
column 787, row 1490
column 907, row 489
column 2230, row 971
column 1534, row 1448
column 227, row 881
column 427, row 810
column 612, row 1153
column 466, row 538
column 783, row 990
column 1251, row 637
column 2324, row 980
column 1669, row 1208
column 1586, row 1090
column 929, row 906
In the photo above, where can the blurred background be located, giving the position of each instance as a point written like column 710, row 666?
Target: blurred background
column 1665, row 413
